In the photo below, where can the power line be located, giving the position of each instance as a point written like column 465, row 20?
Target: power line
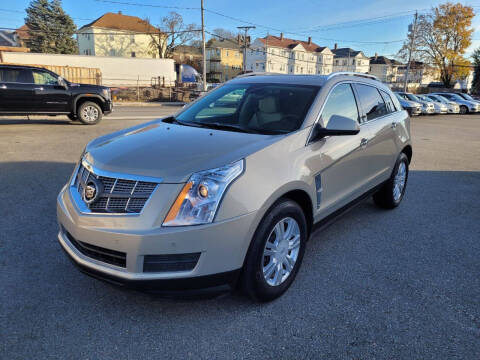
column 131, row 32
column 148, row 5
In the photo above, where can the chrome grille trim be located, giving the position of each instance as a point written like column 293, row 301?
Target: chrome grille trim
column 122, row 195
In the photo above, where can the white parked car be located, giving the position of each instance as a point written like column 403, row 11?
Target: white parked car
column 427, row 107
column 452, row 106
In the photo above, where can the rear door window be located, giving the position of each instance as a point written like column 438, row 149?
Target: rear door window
column 340, row 102
column 16, row 76
column 388, row 101
column 372, row 102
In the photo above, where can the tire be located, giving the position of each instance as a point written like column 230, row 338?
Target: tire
column 260, row 257
column 89, row 113
column 463, row 110
column 390, row 196
column 72, row 117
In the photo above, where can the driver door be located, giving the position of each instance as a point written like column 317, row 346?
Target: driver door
column 339, row 162
column 49, row 96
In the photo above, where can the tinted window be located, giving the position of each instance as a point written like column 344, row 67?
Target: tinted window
column 43, row 78
column 388, row 101
column 371, row 100
column 340, row 102
column 252, row 107
column 16, row 75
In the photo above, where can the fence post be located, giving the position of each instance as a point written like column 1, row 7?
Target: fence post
column 138, row 88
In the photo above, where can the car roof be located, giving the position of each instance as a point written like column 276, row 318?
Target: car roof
column 21, row 66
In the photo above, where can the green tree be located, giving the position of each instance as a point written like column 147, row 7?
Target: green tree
column 476, row 71
column 51, row 30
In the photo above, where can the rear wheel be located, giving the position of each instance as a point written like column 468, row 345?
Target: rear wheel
column 276, row 252
column 463, row 109
column 89, row 113
column 391, row 194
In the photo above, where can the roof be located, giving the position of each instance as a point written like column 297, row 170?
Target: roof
column 187, row 49
column 225, row 44
column 346, row 52
column 22, row 32
column 286, row 43
column 384, row 61
column 119, row 21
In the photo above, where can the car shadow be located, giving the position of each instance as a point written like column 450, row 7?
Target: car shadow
column 48, row 120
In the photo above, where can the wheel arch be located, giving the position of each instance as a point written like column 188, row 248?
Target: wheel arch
column 80, row 99
column 407, row 150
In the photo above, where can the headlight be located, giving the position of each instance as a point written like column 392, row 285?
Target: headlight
column 198, row 201
column 106, row 93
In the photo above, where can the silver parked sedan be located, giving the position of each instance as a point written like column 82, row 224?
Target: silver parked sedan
column 427, row 107
column 440, row 108
column 227, row 191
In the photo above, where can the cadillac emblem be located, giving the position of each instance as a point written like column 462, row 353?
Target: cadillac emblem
column 92, row 191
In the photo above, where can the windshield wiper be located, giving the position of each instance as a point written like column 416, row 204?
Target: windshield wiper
column 220, row 126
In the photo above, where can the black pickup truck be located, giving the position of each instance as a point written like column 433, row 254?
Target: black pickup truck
column 28, row 90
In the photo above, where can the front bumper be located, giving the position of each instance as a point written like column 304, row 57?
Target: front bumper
column 221, row 246
column 108, row 107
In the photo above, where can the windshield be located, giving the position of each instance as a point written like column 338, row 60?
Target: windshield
column 256, row 108
column 439, row 99
column 468, row 97
column 412, row 97
column 453, row 97
column 424, row 98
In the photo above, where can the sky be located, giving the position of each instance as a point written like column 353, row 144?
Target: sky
column 373, row 26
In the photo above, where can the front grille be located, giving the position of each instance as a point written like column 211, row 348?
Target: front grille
column 174, row 262
column 108, row 256
column 118, row 195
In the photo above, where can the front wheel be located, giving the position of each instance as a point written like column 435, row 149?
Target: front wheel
column 276, row 252
column 463, row 109
column 89, row 113
column 391, row 194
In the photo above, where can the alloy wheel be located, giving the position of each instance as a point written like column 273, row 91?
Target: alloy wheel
column 90, row 113
column 399, row 181
column 281, row 251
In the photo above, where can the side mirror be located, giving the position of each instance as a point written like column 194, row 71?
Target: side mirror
column 61, row 82
column 337, row 126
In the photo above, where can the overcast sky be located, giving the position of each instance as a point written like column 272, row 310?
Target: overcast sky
column 298, row 19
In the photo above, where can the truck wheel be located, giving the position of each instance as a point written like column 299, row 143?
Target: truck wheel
column 276, row 252
column 89, row 113
column 391, row 194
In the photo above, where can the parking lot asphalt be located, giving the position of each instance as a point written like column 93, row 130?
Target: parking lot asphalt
column 376, row 284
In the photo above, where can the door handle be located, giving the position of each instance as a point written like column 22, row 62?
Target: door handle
column 363, row 142
column 39, row 88
column 3, row 86
column 394, row 125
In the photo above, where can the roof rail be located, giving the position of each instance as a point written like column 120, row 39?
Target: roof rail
column 351, row 73
column 257, row 73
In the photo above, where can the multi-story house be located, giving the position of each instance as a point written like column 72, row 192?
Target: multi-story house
column 385, row 69
column 224, row 59
column 419, row 74
column 347, row 59
column 118, row 35
column 279, row 54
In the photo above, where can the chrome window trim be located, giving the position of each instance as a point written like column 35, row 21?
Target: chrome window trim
column 80, row 204
column 351, row 82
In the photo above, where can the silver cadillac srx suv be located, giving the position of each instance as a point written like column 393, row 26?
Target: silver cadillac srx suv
column 226, row 192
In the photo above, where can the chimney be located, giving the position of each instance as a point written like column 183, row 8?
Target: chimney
column 281, row 36
column 309, row 40
column 376, row 56
column 238, row 39
column 119, row 13
column 335, row 46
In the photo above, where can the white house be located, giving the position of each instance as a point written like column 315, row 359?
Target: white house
column 385, row 69
column 288, row 56
column 346, row 59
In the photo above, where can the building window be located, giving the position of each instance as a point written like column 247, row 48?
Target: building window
column 112, row 38
column 227, row 52
column 132, row 39
column 291, row 69
column 263, row 66
column 112, row 52
column 133, row 54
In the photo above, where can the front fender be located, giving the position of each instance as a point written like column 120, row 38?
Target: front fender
column 87, row 96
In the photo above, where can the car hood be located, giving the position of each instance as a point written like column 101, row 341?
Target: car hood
column 171, row 152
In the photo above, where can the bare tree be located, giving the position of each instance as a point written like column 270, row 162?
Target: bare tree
column 172, row 32
column 224, row 33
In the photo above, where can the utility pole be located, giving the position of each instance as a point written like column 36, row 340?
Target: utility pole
column 204, row 62
column 410, row 50
column 246, row 28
